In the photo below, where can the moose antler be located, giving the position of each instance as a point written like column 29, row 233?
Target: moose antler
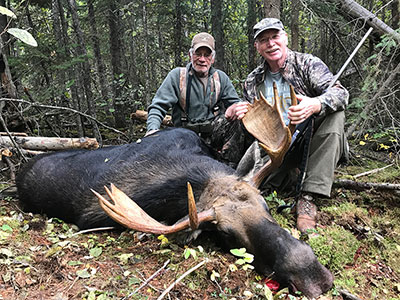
column 265, row 122
column 126, row 212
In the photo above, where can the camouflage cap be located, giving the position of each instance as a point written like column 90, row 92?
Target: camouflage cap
column 203, row 39
column 265, row 24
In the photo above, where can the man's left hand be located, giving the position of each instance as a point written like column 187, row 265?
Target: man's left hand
column 236, row 111
column 307, row 106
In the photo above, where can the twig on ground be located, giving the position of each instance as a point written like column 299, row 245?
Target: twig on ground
column 93, row 230
column 146, row 282
column 348, row 295
column 371, row 171
column 180, row 278
column 361, row 186
column 70, row 287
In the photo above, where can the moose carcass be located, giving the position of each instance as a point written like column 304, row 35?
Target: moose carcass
column 154, row 173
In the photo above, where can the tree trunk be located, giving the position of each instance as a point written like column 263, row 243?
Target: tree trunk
column 6, row 78
column 101, row 69
column 357, row 11
column 87, row 86
column 178, row 33
column 294, row 25
column 116, row 59
column 323, row 50
column 60, row 32
column 251, row 21
column 146, row 50
column 218, row 32
column 272, row 9
column 395, row 14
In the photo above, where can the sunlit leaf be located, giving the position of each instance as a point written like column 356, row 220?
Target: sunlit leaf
column 23, row 35
column 7, row 12
column 186, row 253
column 383, row 146
column 268, row 293
column 6, row 228
column 247, row 267
column 95, row 252
column 6, row 252
column 83, row 273
column 214, row 275
column 232, row 268
column 238, row 252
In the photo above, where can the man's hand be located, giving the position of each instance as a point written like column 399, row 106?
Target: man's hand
column 307, row 106
column 236, row 111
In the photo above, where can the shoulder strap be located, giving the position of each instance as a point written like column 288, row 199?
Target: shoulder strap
column 215, row 89
column 182, row 87
column 185, row 87
column 217, row 85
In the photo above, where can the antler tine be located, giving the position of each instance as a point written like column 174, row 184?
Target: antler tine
column 126, row 212
column 193, row 218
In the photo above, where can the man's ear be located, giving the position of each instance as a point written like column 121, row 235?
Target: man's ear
column 287, row 39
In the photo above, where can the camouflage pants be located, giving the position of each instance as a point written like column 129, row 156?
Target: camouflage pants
column 229, row 139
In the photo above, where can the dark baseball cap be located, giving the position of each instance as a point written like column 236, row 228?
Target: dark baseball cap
column 203, row 39
column 265, row 24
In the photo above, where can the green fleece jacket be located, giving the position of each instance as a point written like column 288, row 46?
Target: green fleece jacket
column 200, row 105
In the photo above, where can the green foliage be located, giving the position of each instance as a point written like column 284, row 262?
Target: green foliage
column 335, row 247
column 245, row 259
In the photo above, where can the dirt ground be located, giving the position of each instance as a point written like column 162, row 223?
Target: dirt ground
column 40, row 258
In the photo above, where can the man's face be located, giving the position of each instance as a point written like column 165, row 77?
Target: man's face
column 202, row 60
column 272, row 45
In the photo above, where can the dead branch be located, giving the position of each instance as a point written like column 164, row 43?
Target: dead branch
column 49, row 143
column 180, row 278
column 361, row 186
column 359, row 12
column 65, row 109
column 371, row 171
column 14, row 133
column 148, row 280
column 141, row 115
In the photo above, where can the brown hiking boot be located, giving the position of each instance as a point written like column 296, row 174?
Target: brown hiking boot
column 306, row 211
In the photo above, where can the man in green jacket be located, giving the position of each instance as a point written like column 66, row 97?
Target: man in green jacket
column 317, row 95
column 204, row 100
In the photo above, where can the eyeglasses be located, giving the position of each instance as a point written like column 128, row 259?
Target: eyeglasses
column 205, row 55
column 272, row 38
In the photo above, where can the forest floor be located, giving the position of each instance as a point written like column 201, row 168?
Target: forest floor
column 358, row 240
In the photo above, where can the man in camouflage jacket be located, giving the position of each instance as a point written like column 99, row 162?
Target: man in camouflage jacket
column 311, row 80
